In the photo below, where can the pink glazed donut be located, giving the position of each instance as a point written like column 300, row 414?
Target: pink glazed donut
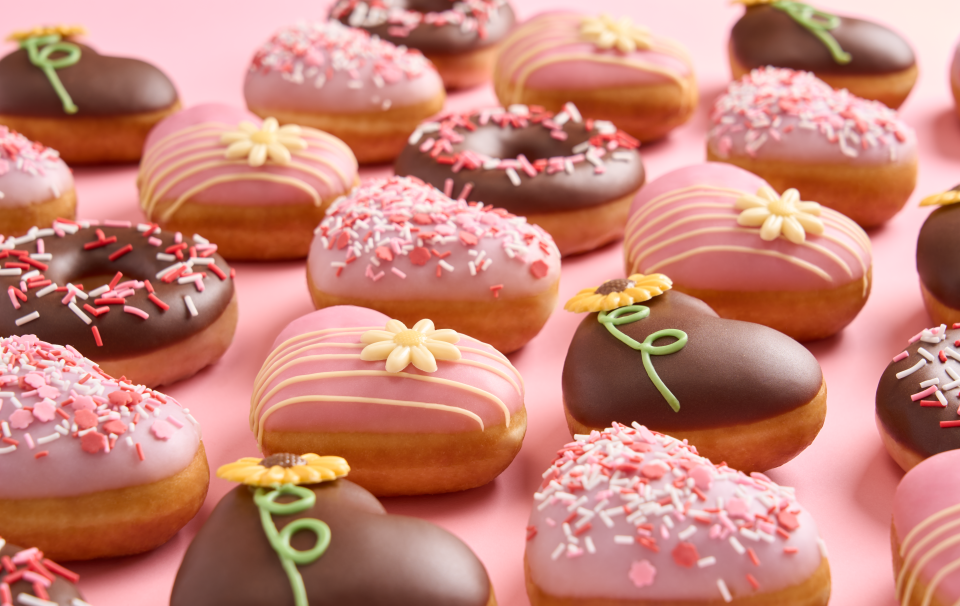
column 341, row 80
column 92, row 467
column 632, row 517
column 445, row 414
column 254, row 188
column 36, row 186
column 407, row 250
column 724, row 236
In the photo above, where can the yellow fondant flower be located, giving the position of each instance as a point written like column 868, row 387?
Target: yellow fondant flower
column 947, row 197
column 606, row 33
column 284, row 468
column 64, row 31
column 619, row 293
column 257, row 144
column 775, row 214
column 401, row 346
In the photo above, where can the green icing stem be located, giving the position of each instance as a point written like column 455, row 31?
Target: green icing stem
column 280, row 540
column 818, row 23
column 619, row 316
column 41, row 58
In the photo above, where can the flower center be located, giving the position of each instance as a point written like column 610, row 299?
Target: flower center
column 282, row 459
column 409, row 338
column 612, row 286
column 262, row 137
column 780, row 208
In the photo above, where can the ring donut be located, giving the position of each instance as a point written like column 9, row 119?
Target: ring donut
column 573, row 177
column 149, row 305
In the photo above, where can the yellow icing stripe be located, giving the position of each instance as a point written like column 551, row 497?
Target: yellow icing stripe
column 325, row 333
column 742, row 249
column 170, row 139
column 271, row 370
column 905, row 548
column 257, row 401
column 941, row 575
column 632, row 246
column 680, row 194
column 922, row 563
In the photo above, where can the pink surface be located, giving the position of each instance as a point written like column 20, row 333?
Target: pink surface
column 845, row 479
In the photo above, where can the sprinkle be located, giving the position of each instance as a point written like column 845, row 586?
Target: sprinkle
column 96, row 336
column 156, row 301
column 558, row 551
column 140, row 454
column 922, row 394
column 724, row 591
column 136, row 312
column 28, row 600
column 47, row 290
column 707, row 561
column 27, row 318
column 73, row 307
column 116, row 255
column 190, row 306
column 926, row 354
column 948, row 424
column 912, row 369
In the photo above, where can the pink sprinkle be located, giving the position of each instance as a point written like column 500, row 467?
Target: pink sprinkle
column 21, row 419
column 82, row 403
column 48, row 391
column 154, row 241
column 448, row 187
column 174, row 420
column 33, row 577
column 398, row 272
column 900, row 356
column 13, row 298
column 136, row 312
column 34, row 380
column 926, row 392
column 915, row 338
column 178, row 238
column 163, row 430
column 45, row 411
column 642, row 573
column 29, row 440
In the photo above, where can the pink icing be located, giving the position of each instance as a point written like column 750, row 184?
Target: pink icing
column 555, row 37
column 334, row 416
column 105, row 457
column 185, row 141
column 658, row 232
column 29, row 172
column 593, row 493
column 472, row 16
column 955, row 67
column 331, row 68
column 927, row 489
column 369, row 245
column 780, row 114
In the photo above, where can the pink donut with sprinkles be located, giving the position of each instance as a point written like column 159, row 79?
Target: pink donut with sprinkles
column 793, row 130
column 404, row 248
column 632, row 517
column 36, row 186
column 92, row 466
column 361, row 89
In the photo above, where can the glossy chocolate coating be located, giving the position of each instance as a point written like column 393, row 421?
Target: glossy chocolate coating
column 123, row 334
column 915, row 426
column 938, row 248
column 61, row 591
column 769, row 36
column 544, row 193
column 99, row 86
column 443, row 39
column 729, row 372
column 374, row 559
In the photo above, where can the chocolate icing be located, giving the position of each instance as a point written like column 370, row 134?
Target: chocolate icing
column 61, row 591
column 99, row 85
column 769, row 36
column 544, row 193
column 442, row 39
column 123, row 334
column 374, row 559
column 729, row 372
column 918, row 427
column 938, row 248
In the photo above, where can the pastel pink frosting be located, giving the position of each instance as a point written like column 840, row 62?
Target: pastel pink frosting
column 327, row 67
column 926, row 490
column 780, row 114
column 29, row 172
column 401, row 239
column 630, row 514
column 684, row 224
column 79, row 398
column 548, row 53
column 183, row 153
column 955, row 67
column 328, row 341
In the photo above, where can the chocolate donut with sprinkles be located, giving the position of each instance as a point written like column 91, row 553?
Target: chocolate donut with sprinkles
column 404, row 248
column 32, row 579
column 149, row 305
column 573, row 177
column 632, row 517
column 92, row 466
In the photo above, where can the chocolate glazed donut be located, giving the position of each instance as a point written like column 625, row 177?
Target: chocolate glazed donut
column 573, row 177
column 61, row 591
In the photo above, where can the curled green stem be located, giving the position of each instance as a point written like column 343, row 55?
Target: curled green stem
column 818, row 23
column 39, row 50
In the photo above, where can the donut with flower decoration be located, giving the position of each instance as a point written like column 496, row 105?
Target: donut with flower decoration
column 577, row 183
column 936, row 246
column 417, row 410
column 92, row 466
column 38, row 579
column 409, row 251
column 742, row 392
column 726, row 237
column 36, row 186
column 611, row 68
column 632, row 517
column 790, row 128
column 359, row 88
column 460, row 37
column 866, row 58
column 256, row 188
column 146, row 304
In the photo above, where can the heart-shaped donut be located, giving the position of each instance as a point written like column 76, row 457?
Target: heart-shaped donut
column 740, row 392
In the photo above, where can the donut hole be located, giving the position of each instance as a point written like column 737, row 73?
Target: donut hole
column 532, row 141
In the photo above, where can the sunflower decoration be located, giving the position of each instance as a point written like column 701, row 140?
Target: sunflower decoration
column 942, row 199
column 400, row 346
column 63, row 31
column 606, row 33
column 284, row 468
column 775, row 214
column 270, row 140
column 619, row 293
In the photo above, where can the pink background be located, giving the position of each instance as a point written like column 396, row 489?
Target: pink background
column 845, row 478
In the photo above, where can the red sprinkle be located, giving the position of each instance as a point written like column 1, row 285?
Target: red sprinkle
column 216, row 270
column 110, row 301
column 945, row 424
column 753, row 582
column 156, row 301
column 99, row 243
column 495, row 289
column 539, row 269
column 943, row 357
column 96, row 337
column 60, row 570
column 41, row 454
column 753, row 556
column 685, row 554
column 140, row 452
column 116, row 255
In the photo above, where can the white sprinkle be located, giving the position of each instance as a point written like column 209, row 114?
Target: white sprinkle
column 78, row 602
column 78, row 292
column 929, row 382
column 166, row 257
column 941, row 397
column 724, row 591
column 589, row 543
column 749, row 534
column 686, row 534
column 926, row 354
column 912, row 369
column 73, row 307
column 623, row 539
column 190, row 306
column 27, row 318
column 30, row 274
column 46, row 290
column 707, row 561
column 167, row 270
column 7, row 450
column 48, row 439
column 11, row 271
column 6, row 429
column 558, row 551
column 513, row 176
column 29, row 600
column 398, row 272
column 96, row 292
column 445, row 265
column 737, row 546
column 950, row 353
